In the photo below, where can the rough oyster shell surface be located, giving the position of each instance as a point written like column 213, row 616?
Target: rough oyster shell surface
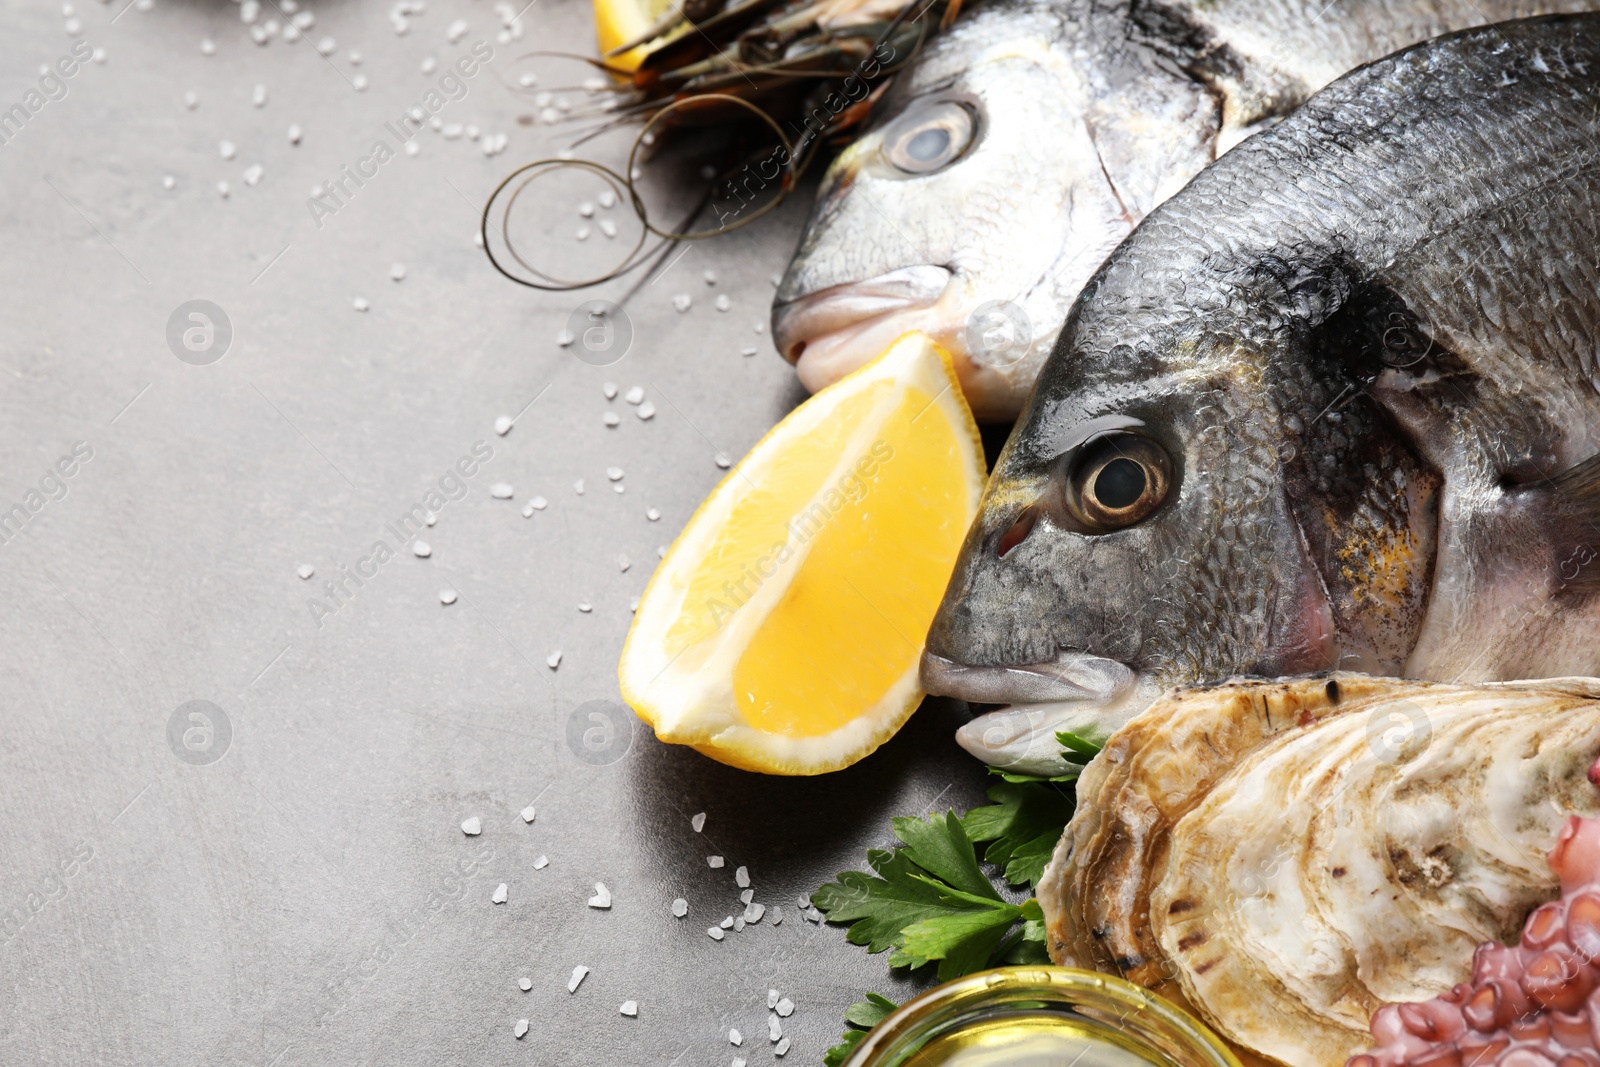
column 1296, row 854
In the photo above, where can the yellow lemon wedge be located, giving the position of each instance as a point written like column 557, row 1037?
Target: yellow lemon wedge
column 783, row 631
column 616, row 22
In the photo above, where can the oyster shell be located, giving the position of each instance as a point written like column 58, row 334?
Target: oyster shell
column 1296, row 854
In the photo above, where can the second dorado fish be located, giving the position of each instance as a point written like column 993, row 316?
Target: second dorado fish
column 1335, row 405
column 1025, row 143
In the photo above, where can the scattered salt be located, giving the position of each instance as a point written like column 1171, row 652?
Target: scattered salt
column 295, row 134
column 653, row 514
column 305, row 570
column 227, row 149
column 623, row 563
column 722, row 461
column 528, row 814
column 611, row 419
column 781, row 1047
column 735, row 1038
column 753, row 912
column 500, row 490
column 499, row 894
column 447, row 597
column 538, row 503
column 630, row 1008
column 579, row 973
column 723, row 302
column 541, row 863
column 602, row 896
column 252, row 175
column 646, row 411
column 553, row 660
column 397, row 271
column 577, row 487
column 472, row 827
column 714, row 862
column 714, row 933
column 710, row 276
column 727, row 923
column 772, row 998
column 610, row 390
column 741, row 875
column 522, row 1029
column 525, row 984
column 682, row 302
column 422, row 549
column 360, row 303
column 634, row 395
column 502, row 425
column 680, row 907
column 585, row 607
column 774, row 1029
column 784, row 1007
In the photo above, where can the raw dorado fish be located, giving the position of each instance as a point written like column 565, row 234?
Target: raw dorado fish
column 1334, row 406
column 1028, row 140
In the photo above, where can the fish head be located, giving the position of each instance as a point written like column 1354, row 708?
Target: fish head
column 1136, row 535
column 973, row 208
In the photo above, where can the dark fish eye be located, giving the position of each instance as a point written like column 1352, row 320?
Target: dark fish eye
column 931, row 135
column 1116, row 481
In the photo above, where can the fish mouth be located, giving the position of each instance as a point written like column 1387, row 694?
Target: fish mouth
column 1086, row 694
column 829, row 333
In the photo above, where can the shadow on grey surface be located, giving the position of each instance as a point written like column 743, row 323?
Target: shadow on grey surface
column 800, row 831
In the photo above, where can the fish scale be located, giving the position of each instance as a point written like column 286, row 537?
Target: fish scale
column 1298, row 318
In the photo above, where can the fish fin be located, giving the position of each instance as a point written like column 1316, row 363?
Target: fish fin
column 1576, row 533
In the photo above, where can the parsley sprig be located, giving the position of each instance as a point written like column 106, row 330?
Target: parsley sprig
column 928, row 901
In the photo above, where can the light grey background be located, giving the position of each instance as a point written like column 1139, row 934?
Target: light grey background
column 300, row 901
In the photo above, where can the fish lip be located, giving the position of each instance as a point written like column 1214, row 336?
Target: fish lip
column 849, row 305
column 1073, row 677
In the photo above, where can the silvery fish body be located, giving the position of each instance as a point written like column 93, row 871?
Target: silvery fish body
column 1336, row 405
column 1024, row 144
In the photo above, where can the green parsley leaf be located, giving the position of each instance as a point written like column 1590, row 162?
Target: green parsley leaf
column 1078, row 745
column 861, row 1017
column 1022, row 827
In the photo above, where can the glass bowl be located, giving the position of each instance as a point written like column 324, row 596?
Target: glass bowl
column 1040, row 1017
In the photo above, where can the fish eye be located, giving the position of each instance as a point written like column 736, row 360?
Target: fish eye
column 1116, row 481
column 929, row 137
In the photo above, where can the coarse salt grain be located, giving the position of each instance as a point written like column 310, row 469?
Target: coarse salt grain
column 742, row 877
column 579, row 973
column 499, row 894
column 447, row 596
column 601, row 898
column 472, row 827
column 714, row 862
column 680, row 907
column 553, row 660
column 698, row 821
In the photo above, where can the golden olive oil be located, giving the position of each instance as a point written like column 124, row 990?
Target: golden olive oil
column 1032, row 1039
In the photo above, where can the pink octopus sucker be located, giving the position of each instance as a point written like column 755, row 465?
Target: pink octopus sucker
column 1532, row 1004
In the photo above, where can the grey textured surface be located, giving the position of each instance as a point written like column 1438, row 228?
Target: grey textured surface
column 302, row 899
